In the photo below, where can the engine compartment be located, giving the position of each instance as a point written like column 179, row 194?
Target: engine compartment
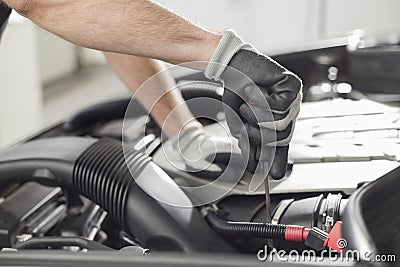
column 68, row 187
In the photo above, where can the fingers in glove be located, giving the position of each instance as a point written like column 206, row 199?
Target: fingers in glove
column 257, row 138
column 231, row 99
column 278, row 97
column 249, row 151
column 282, row 124
column 255, row 154
column 263, row 136
column 265, row 153
column 252, row 159
column 232, row 105
column 248, row 114
column 244, row 142
column 279, row 165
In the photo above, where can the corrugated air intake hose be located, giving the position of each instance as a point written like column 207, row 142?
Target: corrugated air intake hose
column 97, row 169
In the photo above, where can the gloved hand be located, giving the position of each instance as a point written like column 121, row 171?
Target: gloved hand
column 195, row 150
column 267, row 101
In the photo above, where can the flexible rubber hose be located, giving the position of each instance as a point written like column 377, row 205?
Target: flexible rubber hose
column 101, row 174
column 194, row 89
column 98, row 170
column 116, row 109
column 257, row 230
column 111, row 110
column 47, row 161
column 247, row 229
column 59, row 242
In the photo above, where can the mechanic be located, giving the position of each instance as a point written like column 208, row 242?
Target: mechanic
column 135, row 34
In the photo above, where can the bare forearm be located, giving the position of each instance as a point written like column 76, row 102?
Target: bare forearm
column 157, row 94
column 135, row 27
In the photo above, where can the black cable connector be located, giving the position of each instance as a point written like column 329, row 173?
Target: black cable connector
column 316, row 239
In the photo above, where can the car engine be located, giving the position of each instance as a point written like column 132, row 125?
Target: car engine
column 72, row 187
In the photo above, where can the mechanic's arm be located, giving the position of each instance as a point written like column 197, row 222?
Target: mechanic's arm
column 142, row 28
column 135, row 27
column 164, row 101
column 160, row 96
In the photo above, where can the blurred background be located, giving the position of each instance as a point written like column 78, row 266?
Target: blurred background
column 43, row 79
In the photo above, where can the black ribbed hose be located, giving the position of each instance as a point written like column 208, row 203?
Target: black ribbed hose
column 102, row 175
column 246, row 229
column 98, row 170
column 287, row 232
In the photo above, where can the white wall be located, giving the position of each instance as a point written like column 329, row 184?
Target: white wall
column 280, row 24
column 215, row 14
column 212, row 13
column 57, row 58
column 276, row 25
column 344, row 16
column 20, row 85
column 29, row 58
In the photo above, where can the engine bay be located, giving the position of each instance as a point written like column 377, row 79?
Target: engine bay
column 70, row 187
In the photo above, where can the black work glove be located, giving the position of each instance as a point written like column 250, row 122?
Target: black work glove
column 263, row 100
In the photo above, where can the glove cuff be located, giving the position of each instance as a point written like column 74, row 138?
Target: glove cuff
column 228, row 46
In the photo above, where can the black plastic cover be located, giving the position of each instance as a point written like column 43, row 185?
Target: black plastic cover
column 371, row 219
column 19, row 210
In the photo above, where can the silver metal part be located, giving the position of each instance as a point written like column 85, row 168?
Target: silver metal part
column 267, row 200
column 95, row 227
column 280, row 209
column 270, row 242
column 23, row 237
column 9, row 250
column 333, row 208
